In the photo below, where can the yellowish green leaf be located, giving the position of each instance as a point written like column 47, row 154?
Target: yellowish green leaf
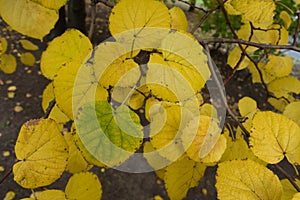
column 274, row 136
column 136, row 15
column 178, row 19
column 84, row 185
column 246, row 179
column 280, row 103
column 42, row 153
column 182, row 175
column 70, row 47
column 28, row 17
column 8, row 63
column 234, row 57
column 27, row 59
column 28, row 45
column 208, row 144
column 110, row 135
column 286, row 18
column 292, row 111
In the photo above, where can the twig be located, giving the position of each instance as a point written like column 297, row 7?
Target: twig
column 203, row 18
column 254, row 44
column 194, row 6
column 223, row 97
column 49, row 108
column 93, row 19
column 297, row 29
column 287, row 176
column 6, row 175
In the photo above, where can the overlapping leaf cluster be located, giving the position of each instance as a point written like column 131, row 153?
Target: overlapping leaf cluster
column 153, row 68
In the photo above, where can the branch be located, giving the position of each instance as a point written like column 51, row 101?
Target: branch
column 194, row 6
column 287, row 176
column 49, row 108
column 93, row 19
column 223, row 97
column 254, row 44
column 297, row 29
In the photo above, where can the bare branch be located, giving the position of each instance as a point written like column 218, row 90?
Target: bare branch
column 254, row 44
column 297, row 29
column 287, row 176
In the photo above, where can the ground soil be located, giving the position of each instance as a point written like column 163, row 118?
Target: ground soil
column 29, row 85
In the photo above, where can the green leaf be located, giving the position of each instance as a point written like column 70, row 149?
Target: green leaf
column 110, row 135
column 246, row 179
column 274, row 136
column 182, row 175
column 28, row 17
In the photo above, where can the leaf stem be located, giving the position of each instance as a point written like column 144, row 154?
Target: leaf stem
column 5, row 175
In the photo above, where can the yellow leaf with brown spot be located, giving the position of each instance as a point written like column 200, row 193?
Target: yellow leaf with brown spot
column 42, row 153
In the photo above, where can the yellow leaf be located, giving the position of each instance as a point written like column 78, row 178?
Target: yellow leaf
column 167, row 121
column 51, row 4
column 184, row 50
column 274, row 136
column 27, row 59
column 50, row 194
column 3, row 45
column 208, row 110
column 28, row 45
column 8, row 63
column 42, row 153
column 288, row 189
column 279, row 66
column 9, row 195
column 280, row 103
column 259, row 12
column 286, row 18
column 282, row 87
column 28, row 17
column 296, row 196
column 246, row 179
column 87, row 87
column 238, row 149
column 178, row 19
column 247, row 105
column 56, row 114
column 208, row 144
column 274, row 34
column 292, row 111
column 156, row 161
column 76, row 162
column 182, row 175
column 70, row 47
column 83, row 186
column 234, row 57
column 139, row 14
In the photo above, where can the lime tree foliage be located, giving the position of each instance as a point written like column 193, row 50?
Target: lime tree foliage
column 142, row 91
